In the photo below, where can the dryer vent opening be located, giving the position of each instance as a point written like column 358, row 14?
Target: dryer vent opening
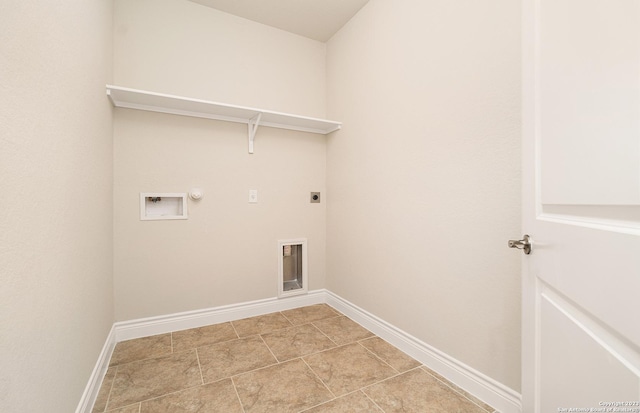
column 292, row 274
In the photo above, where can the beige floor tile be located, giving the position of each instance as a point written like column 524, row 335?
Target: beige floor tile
column 391, row 355
column 218, row 397
column 283, row 388
column 141, row 348
column 202, row 336
column 133, row 408
column 165, row 373
column 356, row 402
column 227, row 359
column 348, row 368
column 146, row 379
column 261, row 324
column 298, row 341
column 416, row 391
column 459, row 390
column 105, row 388
column 342, row 330
column 304, row 315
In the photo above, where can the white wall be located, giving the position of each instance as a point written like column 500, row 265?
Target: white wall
column 55, row 184
column 423, row 180
column 424, row 176
column 226, row 252
column 183, row 48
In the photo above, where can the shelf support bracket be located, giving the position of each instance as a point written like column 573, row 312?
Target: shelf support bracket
column 253, row 128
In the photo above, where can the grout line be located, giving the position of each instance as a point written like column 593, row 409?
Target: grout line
column 318, row 328
column 459, row 391
column 269, row 348
column 325, row 350
column 372, row 401
column 256, row 369
column 272, row 365
column 126, row 406
column 110, row 388
column 319, row 378
column 338, row 398
column 291, row 327
column 233, row 383
column 148, row 358
column 283, row 361
column 285, row 317
column 378, row 357
column 389, row 378
column 227, row 350
column 144, row 359
column 162, row 395
column 199, row 366
column 316, row 405
column 335, row 315
column 234, row 329
column 319, row 404
column 333, row 309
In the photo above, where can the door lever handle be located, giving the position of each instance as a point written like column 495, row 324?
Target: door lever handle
column 523, row 244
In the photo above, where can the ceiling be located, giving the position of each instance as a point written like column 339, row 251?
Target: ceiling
column 315, row 19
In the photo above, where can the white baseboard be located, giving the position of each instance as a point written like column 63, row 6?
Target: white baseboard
column 143, row 327
column 497, row 395
column 502, row 398
column 90, row 394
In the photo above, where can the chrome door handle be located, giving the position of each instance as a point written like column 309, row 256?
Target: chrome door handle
column 522, row 244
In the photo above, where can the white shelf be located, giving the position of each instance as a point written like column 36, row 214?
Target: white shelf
column 177, row 105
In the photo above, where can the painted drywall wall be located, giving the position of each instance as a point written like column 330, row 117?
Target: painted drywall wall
column 186, row 49
column 56, row 184
column 423, row 180
column 226, row 252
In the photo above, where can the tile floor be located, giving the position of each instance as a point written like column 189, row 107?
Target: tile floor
column 310, row 359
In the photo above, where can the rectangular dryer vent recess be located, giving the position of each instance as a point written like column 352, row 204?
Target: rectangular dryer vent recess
column 162, row 206
column 292, row 267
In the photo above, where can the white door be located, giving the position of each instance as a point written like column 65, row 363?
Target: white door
column 581, row 283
